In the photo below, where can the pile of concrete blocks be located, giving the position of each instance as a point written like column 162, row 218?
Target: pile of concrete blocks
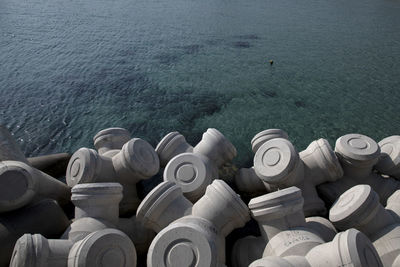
column 317, row 207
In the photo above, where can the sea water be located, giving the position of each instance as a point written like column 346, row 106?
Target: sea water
column 69, row 68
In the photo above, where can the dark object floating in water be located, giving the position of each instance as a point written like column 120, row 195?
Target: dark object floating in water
column 271, row 62
column 241, row 44
column 300, row 104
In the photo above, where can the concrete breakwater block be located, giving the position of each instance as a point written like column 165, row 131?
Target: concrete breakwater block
column 246, row 179
column 277, row 164
column 193, row 218
column 359, row 208
column 199, row 239
column 109, row 141
column 358, row 154
column 280, row 217
column 136, row 161
column 96, row 236
column 21, row 184
column 291, row 242
column 389, row 162
column 250, row 248
column 172, row 145
column 349, row 248
column 163, row 205
column 97, row 208
column 108, row 247
column 44, row 217
column 194, row 171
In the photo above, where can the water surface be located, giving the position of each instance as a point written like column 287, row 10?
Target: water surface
column 72, row 68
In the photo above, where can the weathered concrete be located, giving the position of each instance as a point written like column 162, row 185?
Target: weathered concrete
column 38, row 251
column 393, row 205
column 359, row 208
column 389, row 161
column 170, row 146
column 44, row 217
column 136, row 161
column 322, row 226
column 358, row 155
column 108, row 247
column 200, row 237
column 163, row 205
column 91, row 236
column 278, row 211
column 277, row 163
column 250, row 248
column 21, row 184
column 247, row 180
column 194, row 171
column 109, row 141
column 349, row 248
column 96, row 208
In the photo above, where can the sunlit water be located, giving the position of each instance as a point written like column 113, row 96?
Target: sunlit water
column 71, row 68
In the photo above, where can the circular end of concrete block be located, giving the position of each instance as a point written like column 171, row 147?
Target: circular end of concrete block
column 108, row 247
column 181, row 245
column 353, row 207
column 277, row 204
column 275, row 160
column 265, row 136
column 328, row 160
column 389, row 162
column 167, row 147
column 355, row 249
column 17, row 185
column 357, row 147
column 156, row 201
column 141, row 157
column 112, row 138
column 82, row 167
column 190, row 172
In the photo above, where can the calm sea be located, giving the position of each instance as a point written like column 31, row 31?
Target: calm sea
column 69, row 68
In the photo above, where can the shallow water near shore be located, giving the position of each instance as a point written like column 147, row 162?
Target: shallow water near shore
column 72, row 68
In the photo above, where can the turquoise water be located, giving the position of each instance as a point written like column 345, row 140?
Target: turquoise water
column 72, row 68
